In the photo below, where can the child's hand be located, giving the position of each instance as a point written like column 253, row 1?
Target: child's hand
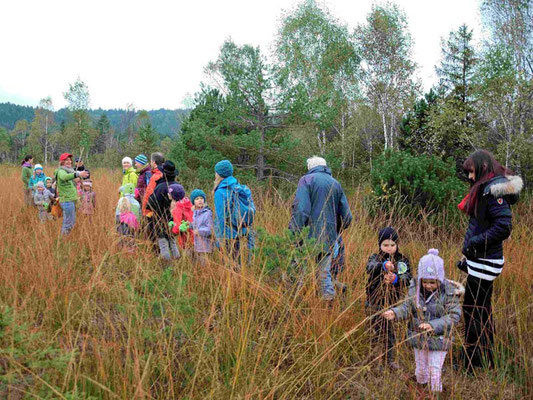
column 389, row 266
column 389, row 278
column 196, row 232
column 425, row 327
column 171, row 224
column 389, row 315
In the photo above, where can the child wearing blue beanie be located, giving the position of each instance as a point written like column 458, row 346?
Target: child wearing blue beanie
column 202, row 226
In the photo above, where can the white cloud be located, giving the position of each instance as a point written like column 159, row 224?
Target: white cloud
column 153, row 53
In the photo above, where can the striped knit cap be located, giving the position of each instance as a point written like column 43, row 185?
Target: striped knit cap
column 141, row 159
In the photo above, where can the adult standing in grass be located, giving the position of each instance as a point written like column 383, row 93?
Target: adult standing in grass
column 145, row 173
column 228, row 195
column 493, row 190
column 66, row 190
column 129, row 174
column 27, row 171
column 320, row 204
column 159, row 202
column 156, row 165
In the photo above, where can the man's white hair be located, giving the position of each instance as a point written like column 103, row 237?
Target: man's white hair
column 315, row 162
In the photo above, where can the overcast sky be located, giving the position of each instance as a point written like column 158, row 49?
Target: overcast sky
column 152, row 53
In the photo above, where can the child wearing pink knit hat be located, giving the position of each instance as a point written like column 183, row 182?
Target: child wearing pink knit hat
column 432, row 305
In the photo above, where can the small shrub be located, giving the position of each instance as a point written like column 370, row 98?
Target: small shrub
column 405, row 184
column 284, row 254
column 26, row 358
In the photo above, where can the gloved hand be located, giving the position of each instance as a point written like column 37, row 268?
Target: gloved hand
column 184, row 227
column 45, row 205
column 388, row 266
column 171, row 224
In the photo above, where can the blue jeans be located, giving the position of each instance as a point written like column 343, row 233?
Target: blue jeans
column 69, row 217
column 324, row 276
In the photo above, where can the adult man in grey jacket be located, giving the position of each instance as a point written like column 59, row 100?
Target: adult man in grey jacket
column 321, row 204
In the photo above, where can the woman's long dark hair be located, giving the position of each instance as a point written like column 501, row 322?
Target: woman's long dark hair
column 26, row 159
column 485, row 167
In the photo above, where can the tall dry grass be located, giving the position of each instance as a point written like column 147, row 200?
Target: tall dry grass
column 122, row 327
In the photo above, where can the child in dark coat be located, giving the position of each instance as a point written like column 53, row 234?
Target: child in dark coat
column 159, row 204
column 433, row 307
column 389, row 275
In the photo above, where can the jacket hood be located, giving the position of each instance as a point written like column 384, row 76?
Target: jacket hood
column 505, row 186
column 455, row 288
column 227, row 182
column 320, row 168
column 184, row 203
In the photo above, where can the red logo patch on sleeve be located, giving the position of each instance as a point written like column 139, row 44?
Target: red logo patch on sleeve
column 500, row 201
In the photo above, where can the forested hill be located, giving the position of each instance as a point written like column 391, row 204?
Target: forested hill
column 165, row 122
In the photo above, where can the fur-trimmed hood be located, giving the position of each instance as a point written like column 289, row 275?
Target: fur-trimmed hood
column 455, row 288
column 509, row 186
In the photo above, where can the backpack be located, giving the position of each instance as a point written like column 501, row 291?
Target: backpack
column 242, row 208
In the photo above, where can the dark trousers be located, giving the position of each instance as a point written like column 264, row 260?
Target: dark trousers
column 479, row 326
column 384, row 334
column 233, row 248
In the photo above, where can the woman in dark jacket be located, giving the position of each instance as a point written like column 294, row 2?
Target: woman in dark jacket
column 159, row 204
column 493, row 191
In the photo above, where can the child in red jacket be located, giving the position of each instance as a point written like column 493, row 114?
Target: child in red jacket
column 182, row 215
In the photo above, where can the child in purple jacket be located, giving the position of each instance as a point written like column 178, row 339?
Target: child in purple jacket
column 202, row 226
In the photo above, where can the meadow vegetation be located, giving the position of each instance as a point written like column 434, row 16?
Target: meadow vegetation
column 81, row 320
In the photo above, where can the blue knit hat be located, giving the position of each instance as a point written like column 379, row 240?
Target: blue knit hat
column 197, row 193
column 141, row 159
column 224, row 168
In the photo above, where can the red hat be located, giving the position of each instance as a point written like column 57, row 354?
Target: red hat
column 64, row 156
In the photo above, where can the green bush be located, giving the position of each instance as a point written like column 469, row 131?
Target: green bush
column 284, row 255
column 405, row 184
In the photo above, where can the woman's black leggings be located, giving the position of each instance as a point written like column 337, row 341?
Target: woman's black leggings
column 479, row 326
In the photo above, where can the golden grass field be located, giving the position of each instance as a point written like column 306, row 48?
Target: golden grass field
column 81, row 320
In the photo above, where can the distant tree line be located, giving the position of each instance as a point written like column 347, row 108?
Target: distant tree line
column 104, row 134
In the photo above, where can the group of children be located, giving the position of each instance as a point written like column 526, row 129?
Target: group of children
column 432, row 304
column 41, row 191
column 153, row 204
